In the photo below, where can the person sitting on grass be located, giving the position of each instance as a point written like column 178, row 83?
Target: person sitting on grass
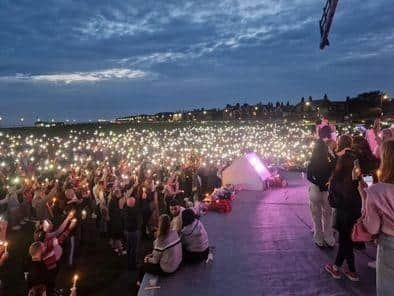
column 194, row 238
column 167, row 253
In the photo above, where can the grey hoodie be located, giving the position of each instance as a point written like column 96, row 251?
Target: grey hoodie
column 168, row 252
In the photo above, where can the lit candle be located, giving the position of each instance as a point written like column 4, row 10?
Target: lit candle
column 5, row 247
column 75, row 279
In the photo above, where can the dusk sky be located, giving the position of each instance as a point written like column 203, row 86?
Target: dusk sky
column 95, row 59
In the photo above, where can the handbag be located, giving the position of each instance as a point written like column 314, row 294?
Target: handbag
column 360, row 233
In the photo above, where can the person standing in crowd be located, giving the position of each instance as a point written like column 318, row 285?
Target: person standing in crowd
column 41, row 199
column 372, row 136
column 101, row 207
column 172, row 191
column 73, row 205
column 176, row 212
column 378, row 204
column 148, row 205
column 196, row 186
column 130, row 224
column 13, row 207
column 167, row 253
column 344, row 145
column 194, row 238
column 319, row 171
column 385, row 134
column 37, row 273
column 115, row 221
column 369, row 163
column 344, row 198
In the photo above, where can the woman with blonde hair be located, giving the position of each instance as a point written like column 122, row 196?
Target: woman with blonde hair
column 167, row 253
column 378, row 219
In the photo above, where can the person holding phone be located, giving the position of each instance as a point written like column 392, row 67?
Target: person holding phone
column 344, row 198
column 378, row 206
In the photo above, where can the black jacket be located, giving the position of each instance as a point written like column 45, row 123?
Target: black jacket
column 321, row 166
column 347, row 203
column 130, row 217
column 37, row 274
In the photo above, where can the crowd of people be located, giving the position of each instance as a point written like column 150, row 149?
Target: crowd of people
column 352, row 194
column 124, row 187
column 140, row 191
column 124, row 206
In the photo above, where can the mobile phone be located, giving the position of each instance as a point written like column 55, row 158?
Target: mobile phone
column 368, row 180
column 356, row 163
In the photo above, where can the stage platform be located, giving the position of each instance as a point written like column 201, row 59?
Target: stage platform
column 264, row 247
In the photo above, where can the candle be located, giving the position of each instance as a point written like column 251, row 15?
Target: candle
column 75, row 278
column 379, row 173
column 5, row 247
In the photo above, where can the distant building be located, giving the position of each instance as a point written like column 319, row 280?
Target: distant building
column 40, row 123
column 364, row 106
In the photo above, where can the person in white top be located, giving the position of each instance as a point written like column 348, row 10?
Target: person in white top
column 194, row 238
column 167, row 253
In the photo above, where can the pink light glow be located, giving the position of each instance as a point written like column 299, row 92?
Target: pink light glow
column 258, row 166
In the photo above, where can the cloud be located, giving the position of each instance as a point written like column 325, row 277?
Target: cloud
column 229, row 41
column 103, row 28
column 91, row 76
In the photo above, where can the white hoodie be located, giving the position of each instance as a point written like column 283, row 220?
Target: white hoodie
column 194, row 237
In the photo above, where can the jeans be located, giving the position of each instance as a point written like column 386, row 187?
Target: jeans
column 321, row 215
column 131, row 238
column 385, row 266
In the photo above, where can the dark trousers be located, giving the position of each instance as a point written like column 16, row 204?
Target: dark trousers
column 51, row 281
column 195, row 257
column 345, row 250
column 132, row 238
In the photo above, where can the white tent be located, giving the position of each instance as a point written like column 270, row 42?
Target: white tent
column 247, row 171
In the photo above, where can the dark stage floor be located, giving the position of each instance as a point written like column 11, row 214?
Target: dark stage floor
column 264, row 247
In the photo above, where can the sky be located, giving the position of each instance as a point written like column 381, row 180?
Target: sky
column 93, row 59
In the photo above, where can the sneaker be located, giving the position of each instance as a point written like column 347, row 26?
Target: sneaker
column 372, row 264
column 353, row 276
column 320, row 245
column 333, row 271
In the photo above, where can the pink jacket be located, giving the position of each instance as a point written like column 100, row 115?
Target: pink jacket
column 379, row 209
